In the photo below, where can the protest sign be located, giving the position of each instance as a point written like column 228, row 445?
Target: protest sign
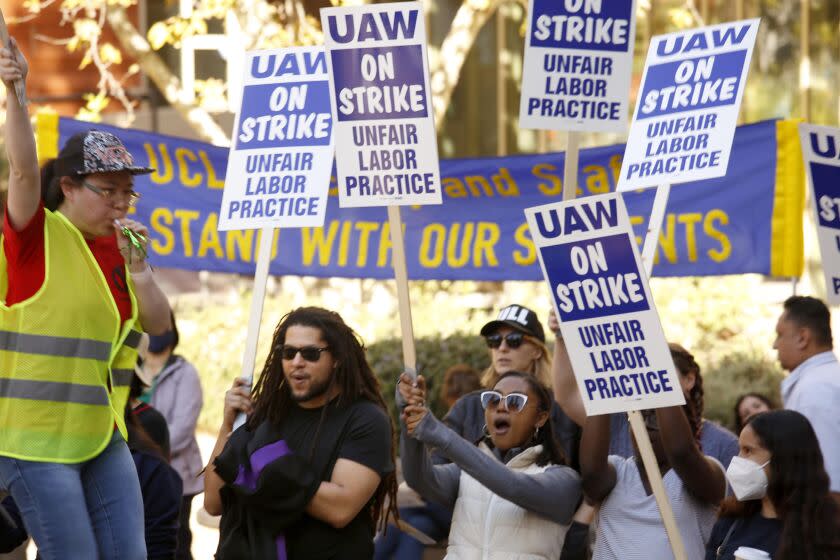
column 278, row 169
column 578, row 63
column 688, row 105
column 601, row 296
column 821, row 152
column 385, row 131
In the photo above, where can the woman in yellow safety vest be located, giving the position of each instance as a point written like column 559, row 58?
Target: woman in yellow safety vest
column 75, row 289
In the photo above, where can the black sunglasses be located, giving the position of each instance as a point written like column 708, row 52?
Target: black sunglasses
column 308, row 353
column 514, row 340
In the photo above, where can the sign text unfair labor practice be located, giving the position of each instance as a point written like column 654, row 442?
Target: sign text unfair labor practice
column 578, row 63
column 278, row 171
column 688, row 104
column 601, row 296
column 385, row 133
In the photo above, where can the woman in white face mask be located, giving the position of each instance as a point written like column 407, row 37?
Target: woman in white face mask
column 782, row 504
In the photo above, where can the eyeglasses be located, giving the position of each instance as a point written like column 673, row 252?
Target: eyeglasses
column 113, row 196
column 514, row 340
column 514, row 402
column 308, row 353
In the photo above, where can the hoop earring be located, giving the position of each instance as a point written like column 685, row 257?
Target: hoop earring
column 537, row 433
column 485, row 431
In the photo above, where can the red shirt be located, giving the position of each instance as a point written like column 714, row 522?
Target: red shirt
column 25, row 262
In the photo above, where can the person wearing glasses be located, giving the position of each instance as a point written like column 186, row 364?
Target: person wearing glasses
column 309, row 473
column 512, row 494
column 516, row 342
column 76, row 292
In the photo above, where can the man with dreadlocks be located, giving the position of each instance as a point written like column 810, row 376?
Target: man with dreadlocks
column 309, row 473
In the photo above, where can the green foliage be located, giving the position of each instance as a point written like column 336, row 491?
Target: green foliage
column 434, row 356
column 734, row 375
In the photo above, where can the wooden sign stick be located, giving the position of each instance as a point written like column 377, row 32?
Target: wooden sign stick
column 401, row 276
column 20, row 87
column 637, row 423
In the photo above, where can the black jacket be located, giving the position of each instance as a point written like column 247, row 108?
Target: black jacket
column 264, row 494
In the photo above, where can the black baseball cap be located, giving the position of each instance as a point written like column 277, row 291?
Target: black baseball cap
column 95, row 151
column 519, row 318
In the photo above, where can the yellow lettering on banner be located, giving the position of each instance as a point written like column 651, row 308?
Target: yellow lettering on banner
column 476, row 181
column 690, row 235
column 597, row 181
column 239, row 244
column 186, row 216
column 213, row 181
column 522, row 235
column 453, row 259
column 486, row 237
column 364, row 229
column 635, row 221
column 159, row 220
column 615, row 166
column 163, row 170
column 505, row 183
column 181, row 156
column 209, row 239
column 453, row 187
column 384, row 258
column 717, row 215
column 668, row 240
column 554, row 187
column 314, row 242
column 344, row 243
column 431, row 245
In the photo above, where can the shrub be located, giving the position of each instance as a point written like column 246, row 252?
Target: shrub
column 736, row 374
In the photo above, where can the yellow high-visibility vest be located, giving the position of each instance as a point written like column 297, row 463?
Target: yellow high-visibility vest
column 65, row 360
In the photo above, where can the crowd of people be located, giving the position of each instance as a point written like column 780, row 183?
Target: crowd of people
column 99, row 459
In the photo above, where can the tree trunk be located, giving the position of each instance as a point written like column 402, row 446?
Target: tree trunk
column 468, row 21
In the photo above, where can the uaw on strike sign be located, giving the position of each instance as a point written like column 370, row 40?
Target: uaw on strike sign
column 578, row 64
column 608, row 320
column 385, row 131
column 278, row 171
column 821, row 153
column 687, row 107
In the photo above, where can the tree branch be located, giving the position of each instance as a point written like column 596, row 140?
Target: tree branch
column 156, row 70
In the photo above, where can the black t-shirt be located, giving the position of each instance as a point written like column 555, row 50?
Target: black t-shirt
column 360, row 432
column 755, row 532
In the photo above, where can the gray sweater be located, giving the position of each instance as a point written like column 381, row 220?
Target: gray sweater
column 553, row 493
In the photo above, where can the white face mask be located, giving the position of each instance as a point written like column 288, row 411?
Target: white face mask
column 747, row 478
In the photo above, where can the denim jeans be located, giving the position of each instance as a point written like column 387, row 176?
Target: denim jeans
column 83, row 510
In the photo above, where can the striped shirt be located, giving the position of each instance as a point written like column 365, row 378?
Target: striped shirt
column 631, row 528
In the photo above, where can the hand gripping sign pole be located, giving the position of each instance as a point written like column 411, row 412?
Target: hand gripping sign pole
column 20, row 86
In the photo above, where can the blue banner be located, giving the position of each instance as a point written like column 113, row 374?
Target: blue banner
column 732, row 225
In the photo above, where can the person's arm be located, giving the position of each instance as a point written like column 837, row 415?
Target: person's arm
column 185, row 416
column 152, row 305
column 436, row 483
column 24, row 175
column 553, row 493
column 565, row 385
column 599, row 476
column 236, row 400
column 702, row 476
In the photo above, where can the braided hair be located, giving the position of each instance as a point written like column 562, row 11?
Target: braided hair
column 686, row 365
column 272, row 398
